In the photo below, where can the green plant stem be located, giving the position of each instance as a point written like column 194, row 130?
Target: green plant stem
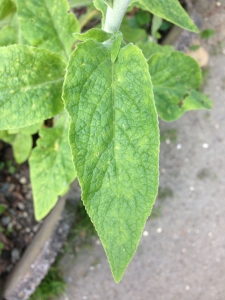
column 114, row 16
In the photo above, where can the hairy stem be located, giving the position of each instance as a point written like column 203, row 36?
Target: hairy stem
column 114, row 16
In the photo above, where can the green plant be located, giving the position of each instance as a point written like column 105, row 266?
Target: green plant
column 207, row 33
column 2, row 209
column 110, row 111
column 51, row 286
column 1, row 247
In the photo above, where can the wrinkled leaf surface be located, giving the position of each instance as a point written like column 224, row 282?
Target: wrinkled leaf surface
column 51, row 167
column 47, row 24
column 175, row 79
column 115, row 143
column 30, row 86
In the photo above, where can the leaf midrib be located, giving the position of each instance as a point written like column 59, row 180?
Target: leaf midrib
column 32, row 86
column 56, row 31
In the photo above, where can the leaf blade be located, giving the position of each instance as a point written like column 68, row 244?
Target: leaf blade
column 51, row 167
column 175, row 79
column 171, row 11
column 30, row 90
column 51, row 28
column 111, row 154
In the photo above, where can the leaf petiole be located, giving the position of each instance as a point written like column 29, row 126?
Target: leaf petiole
column 114, row 16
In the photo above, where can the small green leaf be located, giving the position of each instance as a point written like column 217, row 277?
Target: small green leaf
column 47, row 24
column 1, row 247
column 102, row 7
column 115, row 143
column 22, row 146
column 156, row 24
column 30, row 90
column 51, row 167
column 207, row 33
column 109, row 2
column 196, row 100
column 194, row 47
column 31, row 129
column 2, row 209
column 143, row 17
column 171, row 11
column 94, row 34
column 150, row 48
column 21, row 141
column 175, row 78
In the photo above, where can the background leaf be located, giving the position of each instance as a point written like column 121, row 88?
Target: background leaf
column 207, row 33
column 51, row 167
column 21, row 141
column 7, row 7
column 115, row 143
column 22, row 146
column 133, row 35
column 150, row 48
column 102, row 7
column 30, row 89
column 9, row 33
column 8, row 23
column 47, row 24
column 79, row 3
column 171, row 11
column 175, row 79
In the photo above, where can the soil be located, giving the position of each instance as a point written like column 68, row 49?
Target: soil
column 17, row 223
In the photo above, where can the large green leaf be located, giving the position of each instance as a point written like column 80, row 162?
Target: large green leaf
column 170, row 10
column 51, row 167
column 115, row 143
column 175, row 79
column 30, row 86
column 47, row 24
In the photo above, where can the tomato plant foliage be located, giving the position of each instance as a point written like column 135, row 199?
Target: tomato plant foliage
column 103, row 96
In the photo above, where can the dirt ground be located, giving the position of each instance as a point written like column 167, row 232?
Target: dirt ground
column 181, row 255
